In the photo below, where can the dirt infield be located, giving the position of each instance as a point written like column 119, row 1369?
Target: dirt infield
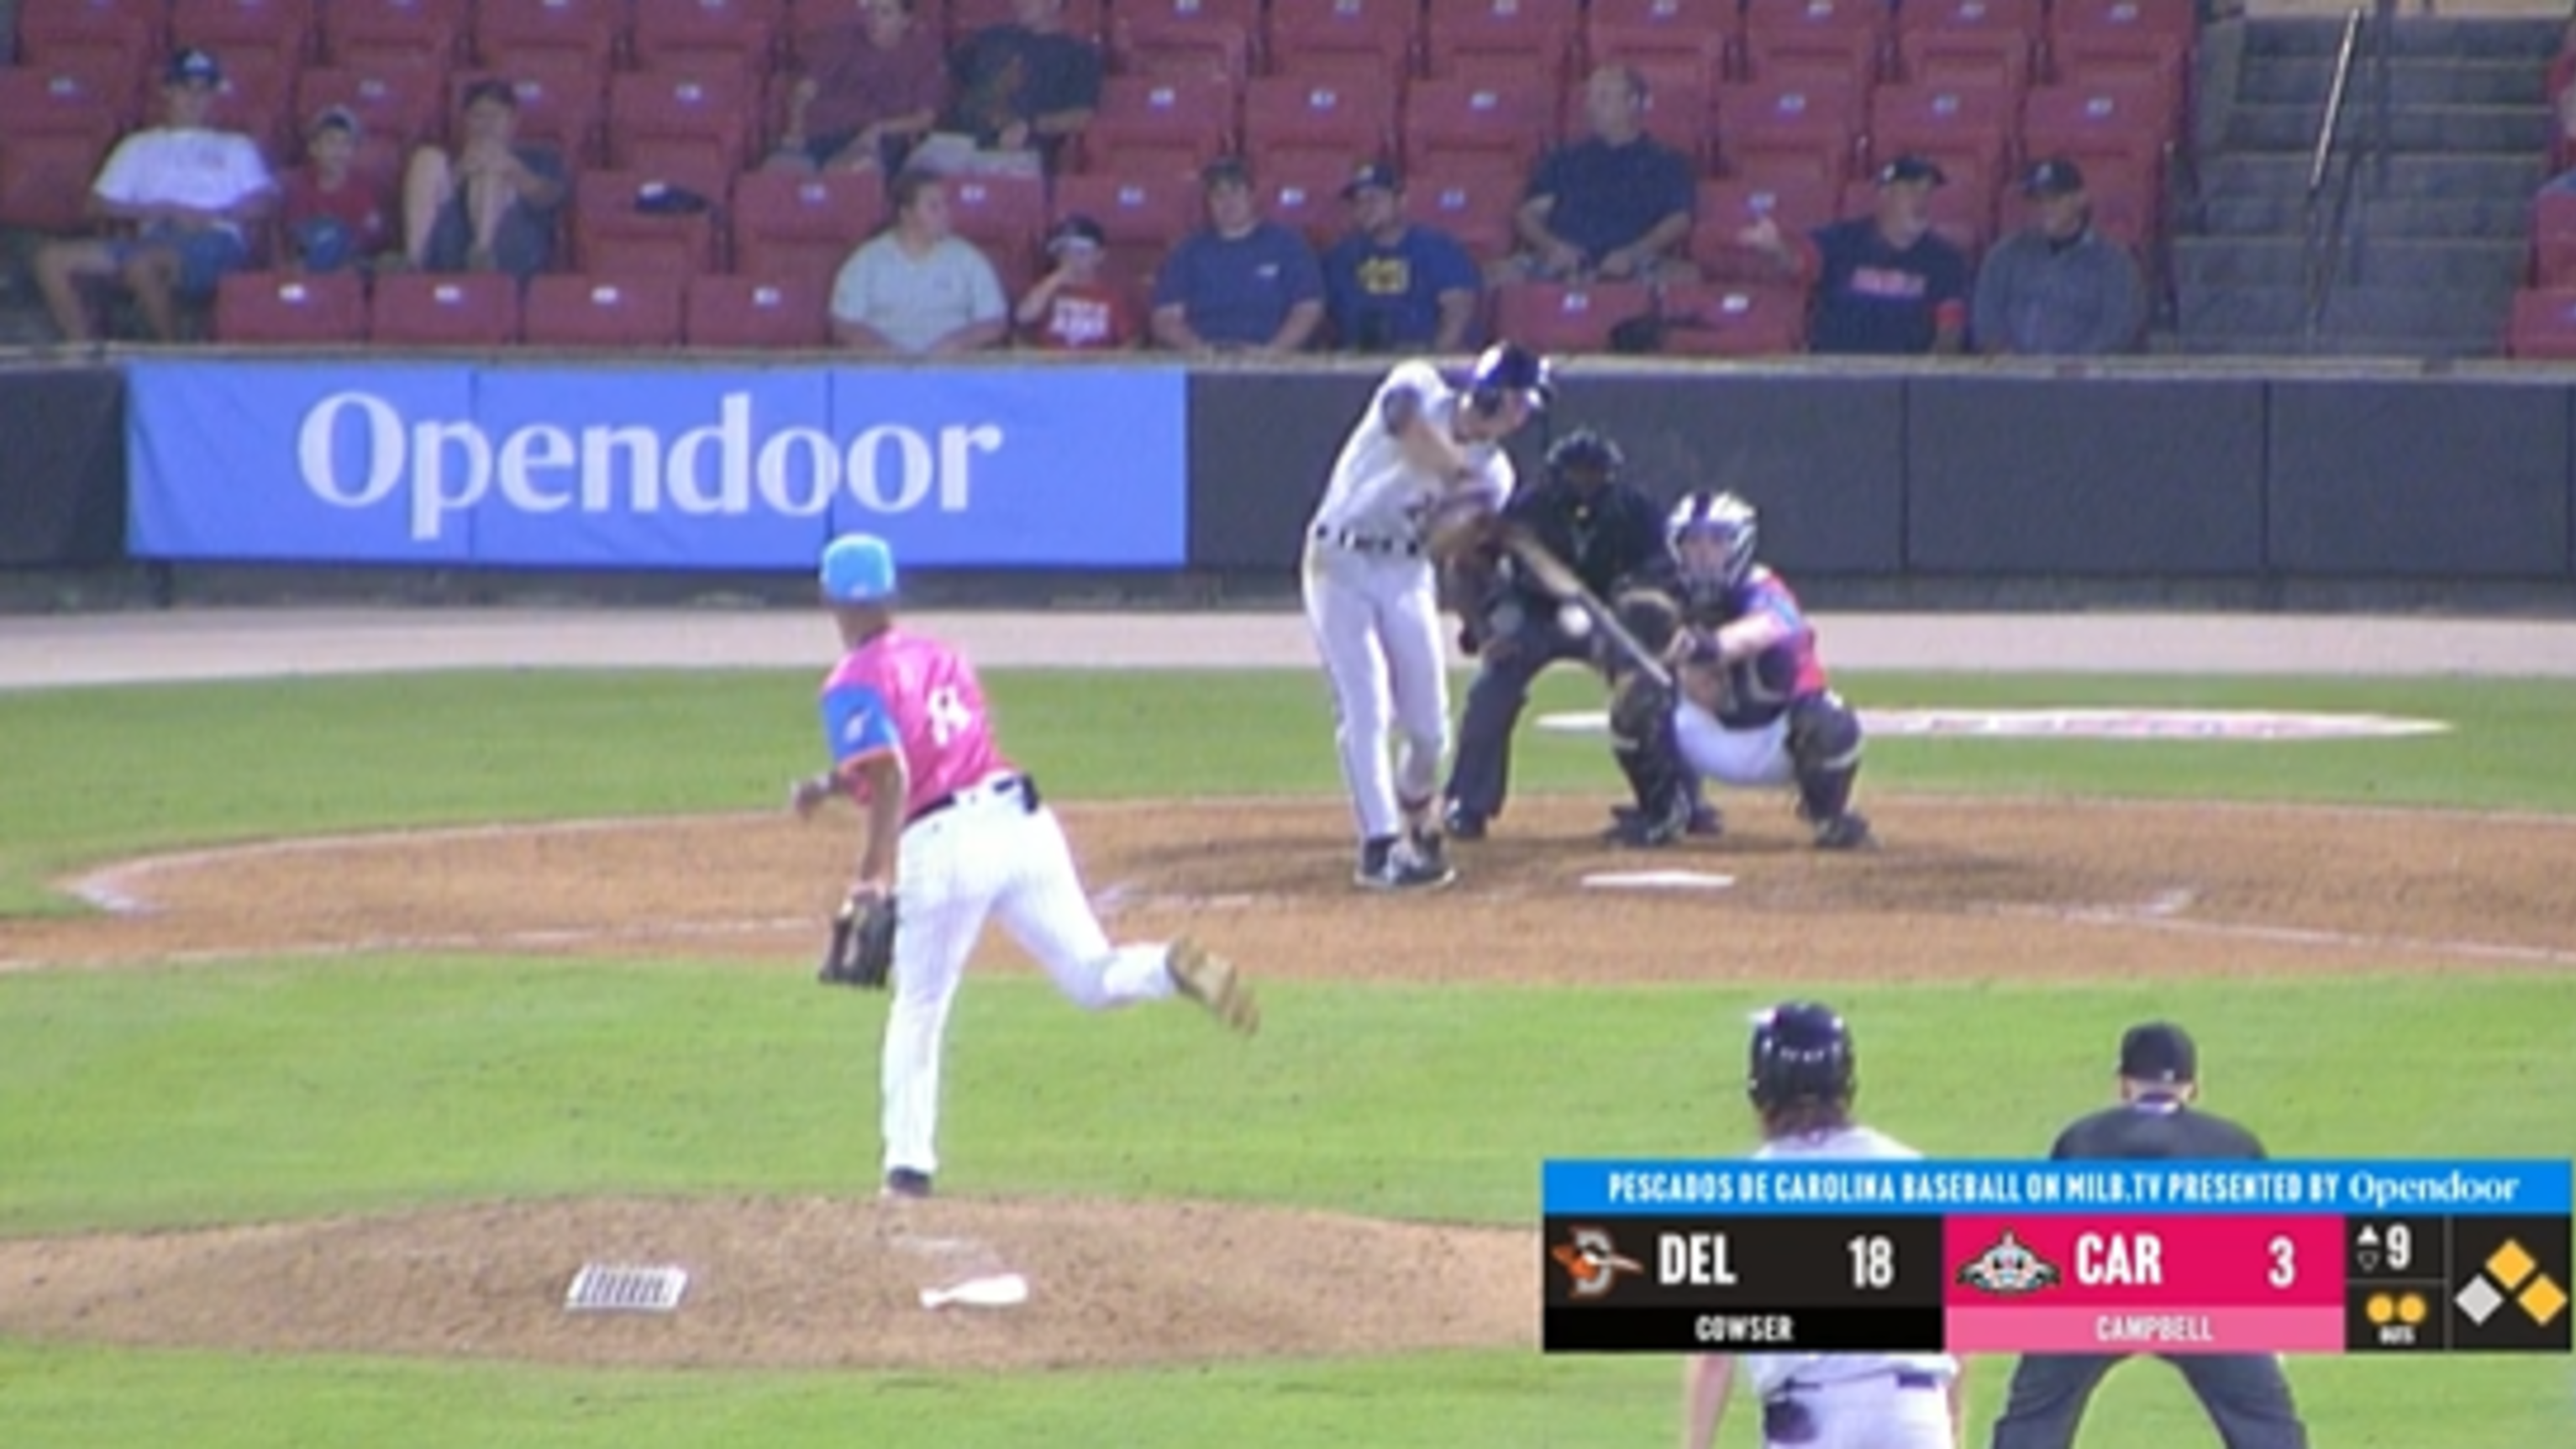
column 1961, row 890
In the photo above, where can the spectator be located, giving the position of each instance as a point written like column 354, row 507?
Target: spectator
column 1613, row 206
column 1073, row 308
column 916, row 289
column 2057, row 287
column 492, row 206
column 1026, row 84
column 1390, row 285
column 186, row 189
column 1242, row 282
column 333, row 218
column 865, row 93
column 1886, row 282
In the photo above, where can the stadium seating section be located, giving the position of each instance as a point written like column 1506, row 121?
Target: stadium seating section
column 1785, row 106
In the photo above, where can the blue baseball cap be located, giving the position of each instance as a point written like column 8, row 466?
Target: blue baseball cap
column 858, row 568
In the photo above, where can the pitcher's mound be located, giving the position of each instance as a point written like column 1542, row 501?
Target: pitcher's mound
column 808, row 1282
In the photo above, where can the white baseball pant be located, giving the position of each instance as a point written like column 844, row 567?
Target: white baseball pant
column 1877, row 1412
column 1745, row 759
column 987, row 854
column 1376, row 619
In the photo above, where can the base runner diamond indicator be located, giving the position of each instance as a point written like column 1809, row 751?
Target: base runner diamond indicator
column 2544, row 1300
column 621, row 1288
column 2510, row 1264
column 2479, row 1300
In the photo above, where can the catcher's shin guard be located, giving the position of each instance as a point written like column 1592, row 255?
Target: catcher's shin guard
column 1641, row 739
column 1825, row 749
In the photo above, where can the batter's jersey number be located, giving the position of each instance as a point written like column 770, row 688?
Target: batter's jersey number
column 949, row 715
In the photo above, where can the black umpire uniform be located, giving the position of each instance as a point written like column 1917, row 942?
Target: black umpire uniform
column 1605, row 529
column 2244, row 1393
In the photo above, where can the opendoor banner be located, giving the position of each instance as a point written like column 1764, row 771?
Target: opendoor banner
column 563, row 467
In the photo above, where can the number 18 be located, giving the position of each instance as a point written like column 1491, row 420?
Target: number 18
column 1873, row 1262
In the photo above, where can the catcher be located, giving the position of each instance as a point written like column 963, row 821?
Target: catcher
column 1754, row 708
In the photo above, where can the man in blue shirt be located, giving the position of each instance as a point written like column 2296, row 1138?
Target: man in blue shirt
column 1614, row 206
column 1390, row 285
column 1241, row 283
column 1885, row 283
column 1026, row 84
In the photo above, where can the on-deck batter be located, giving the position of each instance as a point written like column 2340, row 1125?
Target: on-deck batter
column 956, row 833
column 1372, row 595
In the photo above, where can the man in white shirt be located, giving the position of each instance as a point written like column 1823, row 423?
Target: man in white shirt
column 187, row 189
column 1372, row 593
column 917, row 288
column 1801, row 1085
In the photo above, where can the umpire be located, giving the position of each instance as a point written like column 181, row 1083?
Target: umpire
column 2243, row 1393
column 1601, row 526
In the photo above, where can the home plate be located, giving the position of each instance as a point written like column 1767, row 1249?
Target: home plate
column 1658, row 880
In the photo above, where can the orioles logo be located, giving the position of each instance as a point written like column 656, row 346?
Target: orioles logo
column 1592, row 1261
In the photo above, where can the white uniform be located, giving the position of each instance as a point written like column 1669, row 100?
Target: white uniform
column 1858, row 1400
column 1373, row 602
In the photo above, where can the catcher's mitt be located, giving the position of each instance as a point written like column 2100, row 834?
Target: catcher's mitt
column 1653, row 615
column 861, row 952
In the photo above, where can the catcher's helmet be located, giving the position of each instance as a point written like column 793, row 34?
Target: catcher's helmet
column 1585, row 450
column 1725, row 518
column 1801, row 1052
column 1507, row 368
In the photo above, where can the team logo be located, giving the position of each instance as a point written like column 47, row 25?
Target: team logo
column 2008, row 1269
column 1592, row 1261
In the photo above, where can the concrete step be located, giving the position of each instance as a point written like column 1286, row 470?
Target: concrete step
column 2412, row 81
column 2490, row 176
column 2414, row 35
column 2258, row 344
column 2378, row 311
column 2420, row 127
column 2393, row 215
column 2282, row 262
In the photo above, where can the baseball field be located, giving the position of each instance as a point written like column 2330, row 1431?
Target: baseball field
column 345, row 1015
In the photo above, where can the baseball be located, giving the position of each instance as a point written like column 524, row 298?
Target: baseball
column 1572, row 619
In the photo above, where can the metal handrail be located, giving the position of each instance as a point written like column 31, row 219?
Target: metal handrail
column 2322, row 249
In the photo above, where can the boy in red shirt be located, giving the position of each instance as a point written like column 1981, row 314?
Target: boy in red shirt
column 1073, row 308
column 333, row 218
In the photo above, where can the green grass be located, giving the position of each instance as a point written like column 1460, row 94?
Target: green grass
column 147, row 1098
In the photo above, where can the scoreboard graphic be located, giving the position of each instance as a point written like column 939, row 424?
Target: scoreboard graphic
column 1812, row 1256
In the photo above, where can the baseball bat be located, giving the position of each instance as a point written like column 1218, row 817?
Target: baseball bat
column 1557, row 578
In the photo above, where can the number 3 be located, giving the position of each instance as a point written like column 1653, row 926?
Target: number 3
column 2285, row 1267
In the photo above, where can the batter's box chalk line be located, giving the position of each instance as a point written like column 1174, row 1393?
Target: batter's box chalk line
column 626, row 1288
column 1658, row 880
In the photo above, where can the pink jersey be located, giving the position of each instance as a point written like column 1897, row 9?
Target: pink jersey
column 913, row 694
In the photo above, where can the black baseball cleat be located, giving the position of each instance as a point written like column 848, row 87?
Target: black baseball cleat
column 905, row 1182
column 1464, row 824
column 1385, row 865
column 1637, row 830
column 1847, row 831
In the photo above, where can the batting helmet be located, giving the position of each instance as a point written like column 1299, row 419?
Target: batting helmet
column 1725, row 518
column 1585, row 450
column 1802, row 1052
column 1506, row 368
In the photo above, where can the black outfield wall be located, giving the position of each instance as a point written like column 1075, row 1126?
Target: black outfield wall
column 62, row 466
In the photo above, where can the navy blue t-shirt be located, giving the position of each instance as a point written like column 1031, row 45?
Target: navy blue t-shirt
column 1875, row 298
column 1609, row 196
column 1239, row 289
column 1382, row 297
column 1007, row 73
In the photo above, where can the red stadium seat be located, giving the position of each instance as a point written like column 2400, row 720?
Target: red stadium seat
column 42, row 100
column 1966, row 58
column 1687, row 23
column 671, row 116
column 1704, row 320
column 614, row 238
column 625, row 311
column 2553, row 240
column 756, row 312
column 1969, row 130
column 1562, row 317
column 2129, row 125
column 1086, row 18
column 560, row 105
column 55, row 131
column 1152, row 47
column 424, row 309
column 1789, row 130
column 1304, row 194
column 291, row 309
column 2543, row 326
column 360, row 33
column 1288, row 122
column 1343, row 39
column 1726, row 208
column 1475, row 209
column 1531, row 39
column 740, row 37
column 1143, row 218
column 235, row 30
column 1459, row 125
column 257, row 99
column 801, row 228
column 548, row 33
column 1159, row 125
column 396, row 105
column 1806, row 39
column 2007, row 17
column 998, row 211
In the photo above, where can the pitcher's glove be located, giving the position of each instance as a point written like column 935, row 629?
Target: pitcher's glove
column 861, row 952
